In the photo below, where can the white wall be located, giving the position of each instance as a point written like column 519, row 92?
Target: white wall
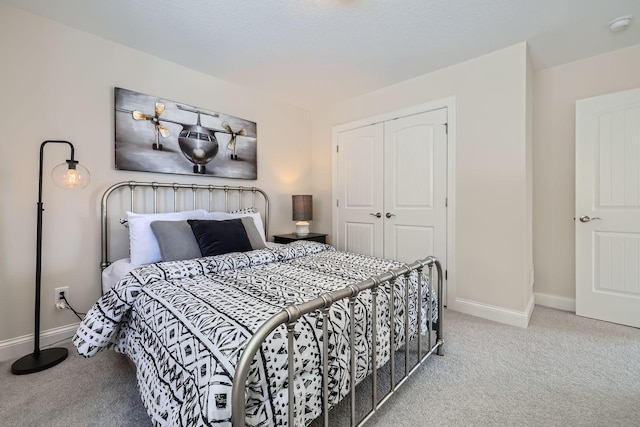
column 322, row 174
column 493, row 242
column 556, row 90
column 57, row 83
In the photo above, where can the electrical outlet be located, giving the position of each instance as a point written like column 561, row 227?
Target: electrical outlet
column 58, row 295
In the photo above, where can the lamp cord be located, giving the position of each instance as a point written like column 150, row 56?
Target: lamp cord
column 56, row 342
column 72, row 309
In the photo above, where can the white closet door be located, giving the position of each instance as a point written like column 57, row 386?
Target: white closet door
column 415, row 187
column 360, row 184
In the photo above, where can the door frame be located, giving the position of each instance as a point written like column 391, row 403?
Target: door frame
column 450, row 104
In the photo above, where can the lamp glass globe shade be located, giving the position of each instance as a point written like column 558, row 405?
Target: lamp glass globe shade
column 75, row 177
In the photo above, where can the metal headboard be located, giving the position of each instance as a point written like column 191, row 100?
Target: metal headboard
column 204, row 197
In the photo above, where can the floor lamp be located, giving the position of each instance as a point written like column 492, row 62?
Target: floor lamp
column 66, row 175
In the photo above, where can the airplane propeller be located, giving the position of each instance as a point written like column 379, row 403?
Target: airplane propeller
column 232, row 142
column 160, row 129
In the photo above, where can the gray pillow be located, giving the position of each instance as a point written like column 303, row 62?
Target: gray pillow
column 176, row 240
column 252, row 233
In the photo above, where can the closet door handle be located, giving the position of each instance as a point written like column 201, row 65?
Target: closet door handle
column 377, row 215
column 389, row 215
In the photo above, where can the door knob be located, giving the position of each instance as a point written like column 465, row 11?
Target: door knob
column 377, row 215
column 389, row 215
column 585, row 218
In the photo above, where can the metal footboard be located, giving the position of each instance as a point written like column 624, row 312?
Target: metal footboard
column 290, row 316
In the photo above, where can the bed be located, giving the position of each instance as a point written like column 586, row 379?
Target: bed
column 213, row 337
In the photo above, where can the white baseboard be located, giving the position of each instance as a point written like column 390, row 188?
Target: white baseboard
column 554, row 301
column 21, row 346
column 495, row 313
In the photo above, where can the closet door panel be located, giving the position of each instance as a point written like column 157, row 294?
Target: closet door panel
column 415, row 186
column 411, row 242
column 359, row 238
column 360, row 186
column 411, row 174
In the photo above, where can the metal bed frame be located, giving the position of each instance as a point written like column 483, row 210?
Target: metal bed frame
column 290, row 315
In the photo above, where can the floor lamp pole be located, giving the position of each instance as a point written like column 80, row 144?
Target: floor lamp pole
column 40, row 360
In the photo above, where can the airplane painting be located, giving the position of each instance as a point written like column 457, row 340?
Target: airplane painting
column 157, row 135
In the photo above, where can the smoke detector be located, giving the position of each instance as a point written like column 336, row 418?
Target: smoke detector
column 620, row 23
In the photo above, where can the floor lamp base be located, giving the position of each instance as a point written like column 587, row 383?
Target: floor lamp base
column 36, row 363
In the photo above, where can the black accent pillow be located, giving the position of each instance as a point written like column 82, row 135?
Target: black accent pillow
column 220, row 237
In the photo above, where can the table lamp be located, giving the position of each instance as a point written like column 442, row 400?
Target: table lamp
column 302, row 212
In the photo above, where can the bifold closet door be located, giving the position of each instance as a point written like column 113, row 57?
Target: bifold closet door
column 392, row 186
column 360, row 186
column 415, row 186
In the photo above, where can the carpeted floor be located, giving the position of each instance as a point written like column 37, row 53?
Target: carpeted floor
column 563, row 370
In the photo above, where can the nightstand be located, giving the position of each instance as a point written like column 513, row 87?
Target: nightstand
column 288, row 238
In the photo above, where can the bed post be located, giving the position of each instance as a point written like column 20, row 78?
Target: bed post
column 439, row 331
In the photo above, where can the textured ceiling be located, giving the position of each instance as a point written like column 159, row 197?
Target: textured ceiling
column 317, row 52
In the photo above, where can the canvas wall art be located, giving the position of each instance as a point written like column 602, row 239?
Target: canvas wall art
column 158, row 135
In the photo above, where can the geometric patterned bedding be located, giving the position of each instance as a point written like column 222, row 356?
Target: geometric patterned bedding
column 184, row 324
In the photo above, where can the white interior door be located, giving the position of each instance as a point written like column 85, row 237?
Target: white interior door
column 360, row 184
column 415, row 187
column 608, row 207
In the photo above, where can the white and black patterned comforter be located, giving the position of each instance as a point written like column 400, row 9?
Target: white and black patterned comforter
column 184, row 325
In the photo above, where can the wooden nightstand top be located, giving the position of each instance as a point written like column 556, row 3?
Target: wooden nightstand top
column 292, row 237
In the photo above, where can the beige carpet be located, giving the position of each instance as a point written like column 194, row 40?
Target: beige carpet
column 563, row 370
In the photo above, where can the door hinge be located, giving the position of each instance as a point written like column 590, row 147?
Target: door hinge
column 446, row 274
column 337, row 203
column 446, row 128
column 446, row 202
column 337, row 148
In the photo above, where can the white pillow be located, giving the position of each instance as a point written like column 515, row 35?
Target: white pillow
column 143, row 246
column 114, row 272
column 257, row 219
